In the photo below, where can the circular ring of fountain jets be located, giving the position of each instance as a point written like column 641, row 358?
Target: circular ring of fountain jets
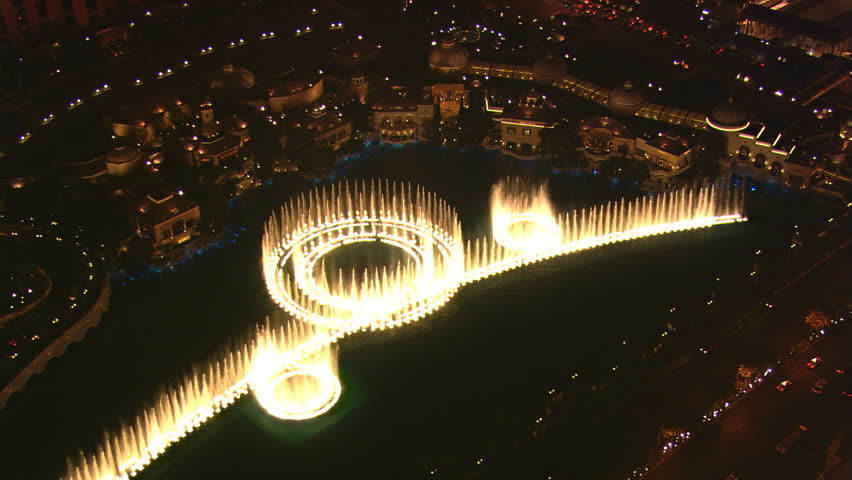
column 307, row 229
column 300, row 393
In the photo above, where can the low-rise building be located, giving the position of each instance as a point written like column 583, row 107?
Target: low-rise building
column 521, row 124
column 355, row 53
column 167, row 218
column 400, row 116
column 294, row 90
column 124, row 160
column 604, row 137
column 216, row 149
column 327, row 129
column 449, row 97
column 764, row 153
column 91, row 170
column 667, row 155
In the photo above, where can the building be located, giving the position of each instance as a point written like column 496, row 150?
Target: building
column 355, row 54
column 521, row 124
column 667, row 155
column 401, row 116
column 327, row 129
column 357, row 87
column 626, row 99
column 92, row 170
column 448, row 57
column 232, row 77
column 449, row 97
column 728, row 117
column 814, row 37
column 218, row 149
column 124, row 160
column 603, row 138
column 21, row 19
column 621, row 100
column 294, row 90
column 549, row 69
column 147, row 117
column 167, row 218
column 764, row 153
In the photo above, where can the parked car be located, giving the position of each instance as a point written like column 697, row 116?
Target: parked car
column 792, row 439
column 819, row 386
column 784, row 385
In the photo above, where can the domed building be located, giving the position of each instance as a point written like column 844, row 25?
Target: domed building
column 448, row 57
column 294, row 89
column 728, row 117
column 549, row 69
column 232, row 77
column 123, row 160
column 626, row 99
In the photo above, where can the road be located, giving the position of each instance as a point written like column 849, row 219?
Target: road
column 627, row 418
column 743, row 440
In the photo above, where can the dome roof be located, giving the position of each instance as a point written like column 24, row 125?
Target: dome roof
column 626, row 99
column 232, row 77
column 293, row 83
column 122, row 154
column 549, row 69
column 448, row 56
column 728, row 117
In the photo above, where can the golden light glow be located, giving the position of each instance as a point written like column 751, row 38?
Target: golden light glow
column 292, row 369
column 522, row 217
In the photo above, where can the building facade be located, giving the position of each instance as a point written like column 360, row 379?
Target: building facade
column 521, row 125
column 400, row 116
column 764, row 154
column 667, row 155
column 167, row 218
column 294, row 90
column 603, row 138
column 22, row 19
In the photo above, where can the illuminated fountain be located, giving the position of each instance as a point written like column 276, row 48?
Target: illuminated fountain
column 291, row 366
column 522, row 217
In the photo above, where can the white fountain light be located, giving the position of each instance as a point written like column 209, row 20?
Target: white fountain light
column 522, row 217
column 293, row 369
column 414, row 221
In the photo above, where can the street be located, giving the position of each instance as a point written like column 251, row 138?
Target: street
column 742, row 442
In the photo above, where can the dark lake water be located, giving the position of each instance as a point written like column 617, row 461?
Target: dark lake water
column 414, row 398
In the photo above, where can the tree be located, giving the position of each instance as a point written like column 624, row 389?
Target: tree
column 358, row 115
column 559, row 140
column 669, row 433
column 474, row 126
column 746, row 374
column 817, row 320
column 626, row 169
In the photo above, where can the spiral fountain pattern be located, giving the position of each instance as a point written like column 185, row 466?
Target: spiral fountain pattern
column 292, row 366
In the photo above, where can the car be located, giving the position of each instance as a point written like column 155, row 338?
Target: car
column 814, row 362
column 792, row 439
column 819, row 386
column 784, row 385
